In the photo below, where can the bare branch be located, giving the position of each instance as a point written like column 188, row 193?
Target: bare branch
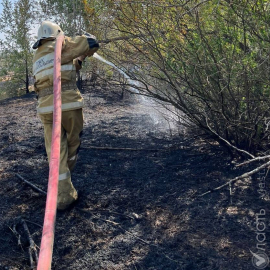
column 267, row 164
column 234, row 147
column 31, row 185
column 252, row 160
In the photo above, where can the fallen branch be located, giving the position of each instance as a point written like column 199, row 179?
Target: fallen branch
column 32, row 251
column 126, row 149
column 238, row 178
column 33, row 256
column 234, row 147
column 31, row 185
column 28, row 221
column 118, row 148
column 252, row 160
column 17, row 235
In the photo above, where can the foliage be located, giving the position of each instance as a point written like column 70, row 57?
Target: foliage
column 16, row 23
column 68, row 14
column 209, row 59
column 75, row 16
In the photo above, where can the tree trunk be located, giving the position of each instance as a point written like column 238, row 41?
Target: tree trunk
column 26, row 77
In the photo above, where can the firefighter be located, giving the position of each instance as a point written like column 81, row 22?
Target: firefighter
column 74, row 51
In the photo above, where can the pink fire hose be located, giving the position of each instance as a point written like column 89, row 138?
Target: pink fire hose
column 46, row 248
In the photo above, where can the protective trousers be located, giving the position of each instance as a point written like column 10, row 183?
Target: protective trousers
column 71, row 129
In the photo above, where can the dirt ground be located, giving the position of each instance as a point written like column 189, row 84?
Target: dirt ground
column 138, row 183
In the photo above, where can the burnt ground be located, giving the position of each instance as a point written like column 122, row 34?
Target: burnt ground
column 138, row 183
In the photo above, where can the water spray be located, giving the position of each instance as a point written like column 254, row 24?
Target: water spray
column 158, row 113
column 130, row 81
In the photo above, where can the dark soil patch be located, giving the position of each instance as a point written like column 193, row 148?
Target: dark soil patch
column 141, row 205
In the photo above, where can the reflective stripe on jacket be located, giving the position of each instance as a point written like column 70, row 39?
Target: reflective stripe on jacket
column 43, row 70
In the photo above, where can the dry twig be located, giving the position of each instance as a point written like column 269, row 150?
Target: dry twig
column 28, row 221
column 33, row 255
column 247, row 174
column 17, row 235
column 32, row 251
column 221, row 138
column 252, row 160
column 31, row 185
column 130, row 149
column 119, row 148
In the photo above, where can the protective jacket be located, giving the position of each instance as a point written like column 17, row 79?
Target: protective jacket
column 43, row 71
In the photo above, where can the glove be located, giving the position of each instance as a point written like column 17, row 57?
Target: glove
column 93, row 43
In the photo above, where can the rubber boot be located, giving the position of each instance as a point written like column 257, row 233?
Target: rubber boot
column 67, row 194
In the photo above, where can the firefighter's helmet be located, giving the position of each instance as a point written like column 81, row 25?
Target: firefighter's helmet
column 47, row 30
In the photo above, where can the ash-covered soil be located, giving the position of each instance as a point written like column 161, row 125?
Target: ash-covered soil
column 138, row 182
